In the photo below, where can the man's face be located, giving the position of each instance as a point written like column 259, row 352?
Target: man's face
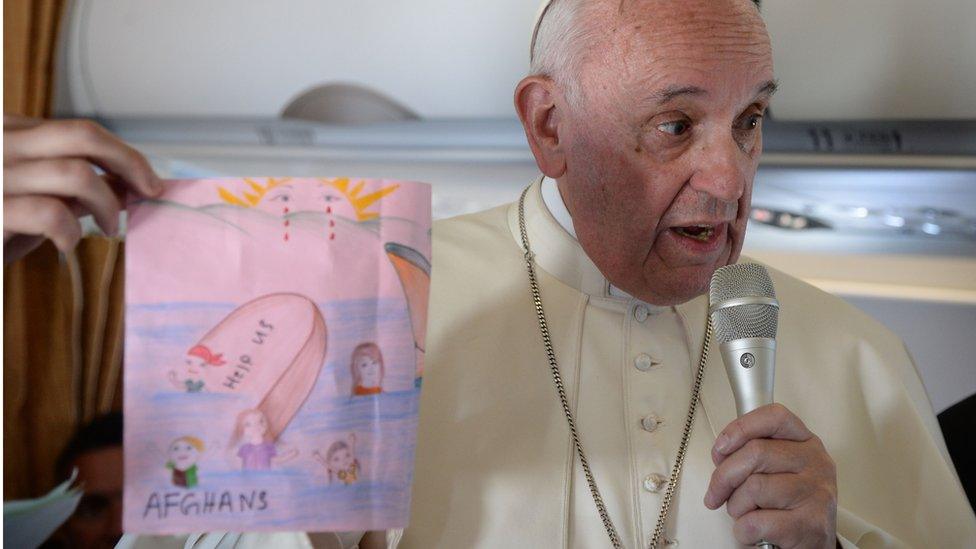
column 662, row 149
column 98, row 520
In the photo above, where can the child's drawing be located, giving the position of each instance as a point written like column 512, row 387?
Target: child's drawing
column 198, row 359
column 293, row 344
column 340, row 461
column 257, row 443
column 286, row 197
column 413, row 270
column 367, row 369
column 183, row 454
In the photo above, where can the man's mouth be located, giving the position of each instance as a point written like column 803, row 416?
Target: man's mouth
column 701, row 233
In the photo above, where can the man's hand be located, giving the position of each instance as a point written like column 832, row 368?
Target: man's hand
column 776, row 479
column 49, row 181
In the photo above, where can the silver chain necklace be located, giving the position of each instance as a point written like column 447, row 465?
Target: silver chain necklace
column 658, row 535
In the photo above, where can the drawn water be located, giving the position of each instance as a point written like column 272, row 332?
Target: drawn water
column 384, row 425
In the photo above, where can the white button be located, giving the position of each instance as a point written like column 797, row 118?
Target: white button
column 641, row 312
column 644, row 362
column 654, row 482
column 651, row 423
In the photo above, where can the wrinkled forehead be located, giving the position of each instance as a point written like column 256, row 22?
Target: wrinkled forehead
column 704, row 33
column 669, row 12
column 649, row 44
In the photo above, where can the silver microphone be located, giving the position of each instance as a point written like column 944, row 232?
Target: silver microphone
column 745, row 313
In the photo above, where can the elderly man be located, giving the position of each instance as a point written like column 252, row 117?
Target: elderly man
column 645, row 119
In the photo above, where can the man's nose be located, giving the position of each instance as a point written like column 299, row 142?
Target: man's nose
column 721, row 169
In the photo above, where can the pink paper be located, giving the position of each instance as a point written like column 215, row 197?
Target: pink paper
column 274, row 351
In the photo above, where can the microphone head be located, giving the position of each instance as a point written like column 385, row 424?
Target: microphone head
column 742, row 281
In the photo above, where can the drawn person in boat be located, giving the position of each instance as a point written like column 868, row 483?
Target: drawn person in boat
column 367, row 369
column 257, row 446
column 340, row 461
column 197, row 360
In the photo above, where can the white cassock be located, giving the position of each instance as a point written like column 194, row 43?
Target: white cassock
column 495, row 466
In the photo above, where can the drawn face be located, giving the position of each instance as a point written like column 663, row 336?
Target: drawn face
column 255, row 427
column 195, row 366
column 340, row 460
column 183, row 454
column 369, row 371
column 306, row 196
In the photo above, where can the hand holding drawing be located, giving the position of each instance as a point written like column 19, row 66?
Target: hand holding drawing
column 49, row 181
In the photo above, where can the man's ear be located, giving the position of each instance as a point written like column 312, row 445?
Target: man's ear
column 535, row 102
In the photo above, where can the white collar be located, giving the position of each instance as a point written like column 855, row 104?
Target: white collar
column 554, row 202
column 557, row 207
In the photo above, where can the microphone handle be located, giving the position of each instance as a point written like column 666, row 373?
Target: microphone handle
column 751, row 364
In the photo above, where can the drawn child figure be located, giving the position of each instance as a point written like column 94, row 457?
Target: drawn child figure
column 340, row 461
column 367, row 369
column 198, row 358
column 183, row 455
column 259, row 450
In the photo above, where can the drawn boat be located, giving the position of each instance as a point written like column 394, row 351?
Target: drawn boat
column 272, row 348
column 414, row 272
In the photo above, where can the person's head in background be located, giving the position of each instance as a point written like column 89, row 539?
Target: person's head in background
column 96, row 451
column 649, row 116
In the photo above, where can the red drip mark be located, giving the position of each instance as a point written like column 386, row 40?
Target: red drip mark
column 287, row 222
column 328, row 210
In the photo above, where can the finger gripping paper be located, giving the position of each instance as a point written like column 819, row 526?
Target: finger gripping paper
column 274, row 354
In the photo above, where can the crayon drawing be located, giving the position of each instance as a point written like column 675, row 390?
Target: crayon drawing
column 184, row 453
column 274, row 351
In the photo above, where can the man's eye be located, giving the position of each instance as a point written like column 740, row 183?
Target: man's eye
column 281, row 197
column 676, row 127
column 751, row 122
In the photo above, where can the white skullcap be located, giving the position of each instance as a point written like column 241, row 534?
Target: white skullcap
column 538, row 21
